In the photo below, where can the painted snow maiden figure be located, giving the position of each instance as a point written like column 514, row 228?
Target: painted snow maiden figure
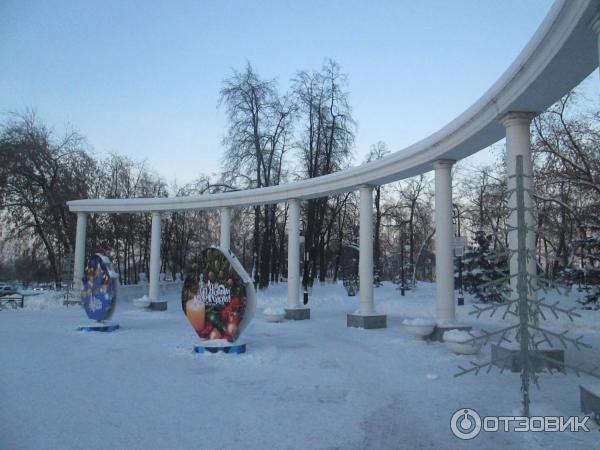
column 99, row 288
column 216, row 297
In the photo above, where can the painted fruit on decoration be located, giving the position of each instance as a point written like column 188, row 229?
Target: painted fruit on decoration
column 98, row 291
column 218, row 296
column 196, row 312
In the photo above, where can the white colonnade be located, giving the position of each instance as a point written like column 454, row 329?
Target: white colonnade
column 444, row 236
column 294, row 309
column 546, row 69
column 518, row 143
column 79, row 259
column 225, row 228
column 365, row 316
column 156, row 303
column 365, row 258
column 293, row 300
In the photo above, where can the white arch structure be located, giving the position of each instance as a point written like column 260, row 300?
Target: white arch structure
column 562, row 52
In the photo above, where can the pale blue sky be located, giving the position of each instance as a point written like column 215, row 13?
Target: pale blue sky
column 142, row 78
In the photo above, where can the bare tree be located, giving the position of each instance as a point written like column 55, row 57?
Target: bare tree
column 326, row 137
column 39, row 172
column 257, row 139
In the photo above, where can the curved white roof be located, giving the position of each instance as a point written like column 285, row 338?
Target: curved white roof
column 562, row 52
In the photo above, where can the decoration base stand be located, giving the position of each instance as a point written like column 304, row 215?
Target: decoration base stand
column 106, row 327
column 368, row 322
column 513, row 358
column 221, row 346
column 439, row 330
column 297, row 313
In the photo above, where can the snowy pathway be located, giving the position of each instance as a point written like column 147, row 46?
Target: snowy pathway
column 302, row 385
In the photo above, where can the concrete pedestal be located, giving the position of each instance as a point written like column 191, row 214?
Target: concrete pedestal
column 438, row 332
column 368, row 322
column 590, row 400
column 158, row 306
column 297, row 313
column 513, row 361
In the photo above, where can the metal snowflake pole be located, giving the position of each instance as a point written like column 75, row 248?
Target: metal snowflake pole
column 527, row 309
column 523, row 290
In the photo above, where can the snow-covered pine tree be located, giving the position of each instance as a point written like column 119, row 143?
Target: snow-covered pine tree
column 482, row 266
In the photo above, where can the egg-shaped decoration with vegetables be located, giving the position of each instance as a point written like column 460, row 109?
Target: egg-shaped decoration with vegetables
column 99, row 289
column 218, row 297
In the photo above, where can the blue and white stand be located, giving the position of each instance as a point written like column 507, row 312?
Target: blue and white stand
column 221, row 345
column 105, row 327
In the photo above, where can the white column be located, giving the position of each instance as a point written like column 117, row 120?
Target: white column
column 154, row 291
column 79, row 261
column 365, row 261
column 444, row 261
column 225, row 228
column 518, row 143
column 293, row 253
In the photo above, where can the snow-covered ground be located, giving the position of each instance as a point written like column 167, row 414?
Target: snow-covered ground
column 301, row 385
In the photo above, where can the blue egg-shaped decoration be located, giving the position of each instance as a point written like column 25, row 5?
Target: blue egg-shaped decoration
column 99, row 289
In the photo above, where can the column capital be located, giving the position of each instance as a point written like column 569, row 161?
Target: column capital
column 595, row 23
column 296, row 202
column 443, row 163
column 366, row 186
column 517, row 118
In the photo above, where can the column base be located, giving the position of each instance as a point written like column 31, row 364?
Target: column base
column 158, row 306
column 513, row 358
column 590, row 400
column 368, row 322
column 297, row 313
column 439, row 330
